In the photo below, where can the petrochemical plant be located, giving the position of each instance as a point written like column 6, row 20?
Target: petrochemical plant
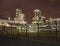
column 38, row 23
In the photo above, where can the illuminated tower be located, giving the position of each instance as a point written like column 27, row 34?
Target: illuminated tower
column 20, row 18
column 19, row 15
column 37, row 17
column 37, row 13
column 37, row 20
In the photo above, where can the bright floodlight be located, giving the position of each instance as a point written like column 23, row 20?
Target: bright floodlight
column 17, row 9
column 36, row 10
column 58, row 19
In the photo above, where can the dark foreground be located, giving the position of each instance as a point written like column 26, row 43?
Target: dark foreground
column 25, row 42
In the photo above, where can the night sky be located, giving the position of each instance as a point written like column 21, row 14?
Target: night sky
column 49, row 8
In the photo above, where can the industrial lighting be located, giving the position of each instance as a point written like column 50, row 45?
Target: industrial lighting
column 36, row 10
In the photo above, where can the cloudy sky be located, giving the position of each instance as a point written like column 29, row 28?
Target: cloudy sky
column 49, row 8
